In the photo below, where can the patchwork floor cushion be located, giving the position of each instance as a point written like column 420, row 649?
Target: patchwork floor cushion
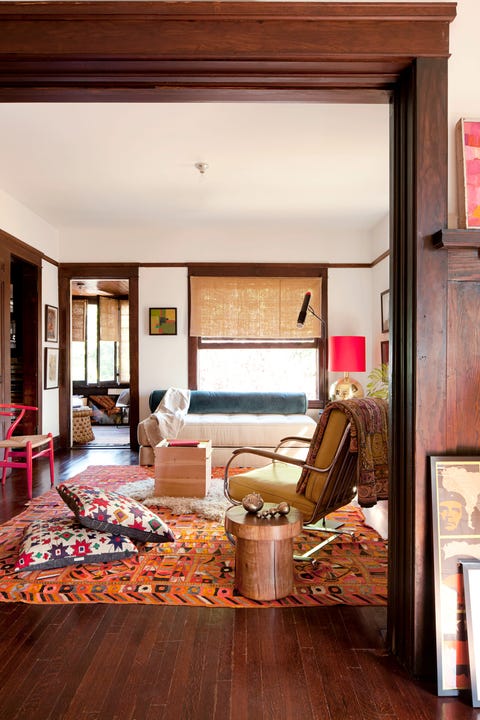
column 108, row 511
column 58, row 542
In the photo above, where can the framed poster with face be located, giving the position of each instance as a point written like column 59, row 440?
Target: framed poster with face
column 456, row 539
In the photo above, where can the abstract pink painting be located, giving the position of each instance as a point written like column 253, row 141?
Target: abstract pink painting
column 468, row 149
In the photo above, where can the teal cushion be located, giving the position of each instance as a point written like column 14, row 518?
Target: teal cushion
column 275, row 403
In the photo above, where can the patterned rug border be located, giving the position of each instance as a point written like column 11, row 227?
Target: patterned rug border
column 197, row 569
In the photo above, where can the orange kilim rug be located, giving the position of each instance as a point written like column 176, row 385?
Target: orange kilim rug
column 198, row 568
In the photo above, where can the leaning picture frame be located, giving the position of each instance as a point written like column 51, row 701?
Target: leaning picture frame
column 455, row 483
column 385, row 310
column 162, row 321
column 471, row 585
column 468, row 172
column 385, row 352
column 51, row 323
column 51, row 368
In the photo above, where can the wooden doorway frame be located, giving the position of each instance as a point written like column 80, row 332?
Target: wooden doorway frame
column 95, row 271
column 305, row 52
column 13, row 248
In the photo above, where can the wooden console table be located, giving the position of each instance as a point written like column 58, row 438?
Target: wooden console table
column 263, row 552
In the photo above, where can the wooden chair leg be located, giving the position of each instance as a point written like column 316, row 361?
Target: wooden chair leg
column 51, row 458
column 6, row 454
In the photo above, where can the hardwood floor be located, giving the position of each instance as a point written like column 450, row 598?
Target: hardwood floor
column 119, row 662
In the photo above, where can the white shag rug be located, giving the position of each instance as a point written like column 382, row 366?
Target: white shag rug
column 211, row 507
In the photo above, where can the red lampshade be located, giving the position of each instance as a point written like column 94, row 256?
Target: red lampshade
column 346, row 353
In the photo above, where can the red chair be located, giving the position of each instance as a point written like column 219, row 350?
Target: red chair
column 20, row 450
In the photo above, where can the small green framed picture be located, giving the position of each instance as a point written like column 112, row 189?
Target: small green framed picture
column 162, row 321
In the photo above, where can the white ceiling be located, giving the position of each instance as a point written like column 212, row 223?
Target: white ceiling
column 110, row 164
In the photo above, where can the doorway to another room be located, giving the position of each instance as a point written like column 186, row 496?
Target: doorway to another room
column 100, row 363
column 24, row 332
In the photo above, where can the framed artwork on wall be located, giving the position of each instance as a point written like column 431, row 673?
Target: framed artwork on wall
column 468, row 173
column 51, row 368
column 471, row 584
column 385, row 309
column 51, row 323
column 162, row 321
column 456, row 539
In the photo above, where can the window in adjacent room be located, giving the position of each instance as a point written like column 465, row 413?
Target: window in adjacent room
column 100, row 340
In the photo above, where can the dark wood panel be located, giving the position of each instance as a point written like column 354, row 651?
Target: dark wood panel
column 329, row 52
column 419, row 281
column 463, row 398
column 464, row 265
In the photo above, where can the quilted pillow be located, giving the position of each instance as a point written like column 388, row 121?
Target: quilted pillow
column 109, row 511
column 55, row 543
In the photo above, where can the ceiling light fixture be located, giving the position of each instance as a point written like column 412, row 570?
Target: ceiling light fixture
column 201, row 167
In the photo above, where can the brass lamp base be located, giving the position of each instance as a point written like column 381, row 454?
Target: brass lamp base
column 345, row 388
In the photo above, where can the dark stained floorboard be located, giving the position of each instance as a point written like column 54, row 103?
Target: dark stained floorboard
column 121, row 662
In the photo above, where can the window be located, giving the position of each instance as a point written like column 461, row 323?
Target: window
column 245, row 335
column 102, row 356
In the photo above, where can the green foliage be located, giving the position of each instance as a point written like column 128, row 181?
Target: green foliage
column 377, row 385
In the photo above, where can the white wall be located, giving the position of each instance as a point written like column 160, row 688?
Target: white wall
column 163, row 360
column 380, row 281
column 17, row 220
column 191, row 241
column 350, row 310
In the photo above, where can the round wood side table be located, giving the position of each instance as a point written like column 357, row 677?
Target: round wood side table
column 263, row 552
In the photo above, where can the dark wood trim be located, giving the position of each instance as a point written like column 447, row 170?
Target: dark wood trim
column 279, row 265
column 12, row 247
column 214, row 51
column 20, row 249
column 380, row 258
column 419, row 282
column 68, row 271
column 353, row 52
column 258, row 269
column 457, row 239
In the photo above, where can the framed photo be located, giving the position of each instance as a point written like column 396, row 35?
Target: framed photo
column 51, row 368
column 385, row 308
column 51, row 323
column 162, row 321
column 456, row 540
column 471, row 584
column 468, row 173
column 385, row 352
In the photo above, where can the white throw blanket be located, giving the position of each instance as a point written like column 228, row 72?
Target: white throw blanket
column 169, row 416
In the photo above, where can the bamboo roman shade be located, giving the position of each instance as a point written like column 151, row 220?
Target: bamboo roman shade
column 109, row 321
column 79, row 319
column 252, row 307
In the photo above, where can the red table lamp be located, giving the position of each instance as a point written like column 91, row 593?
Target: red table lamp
column 346, row 353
